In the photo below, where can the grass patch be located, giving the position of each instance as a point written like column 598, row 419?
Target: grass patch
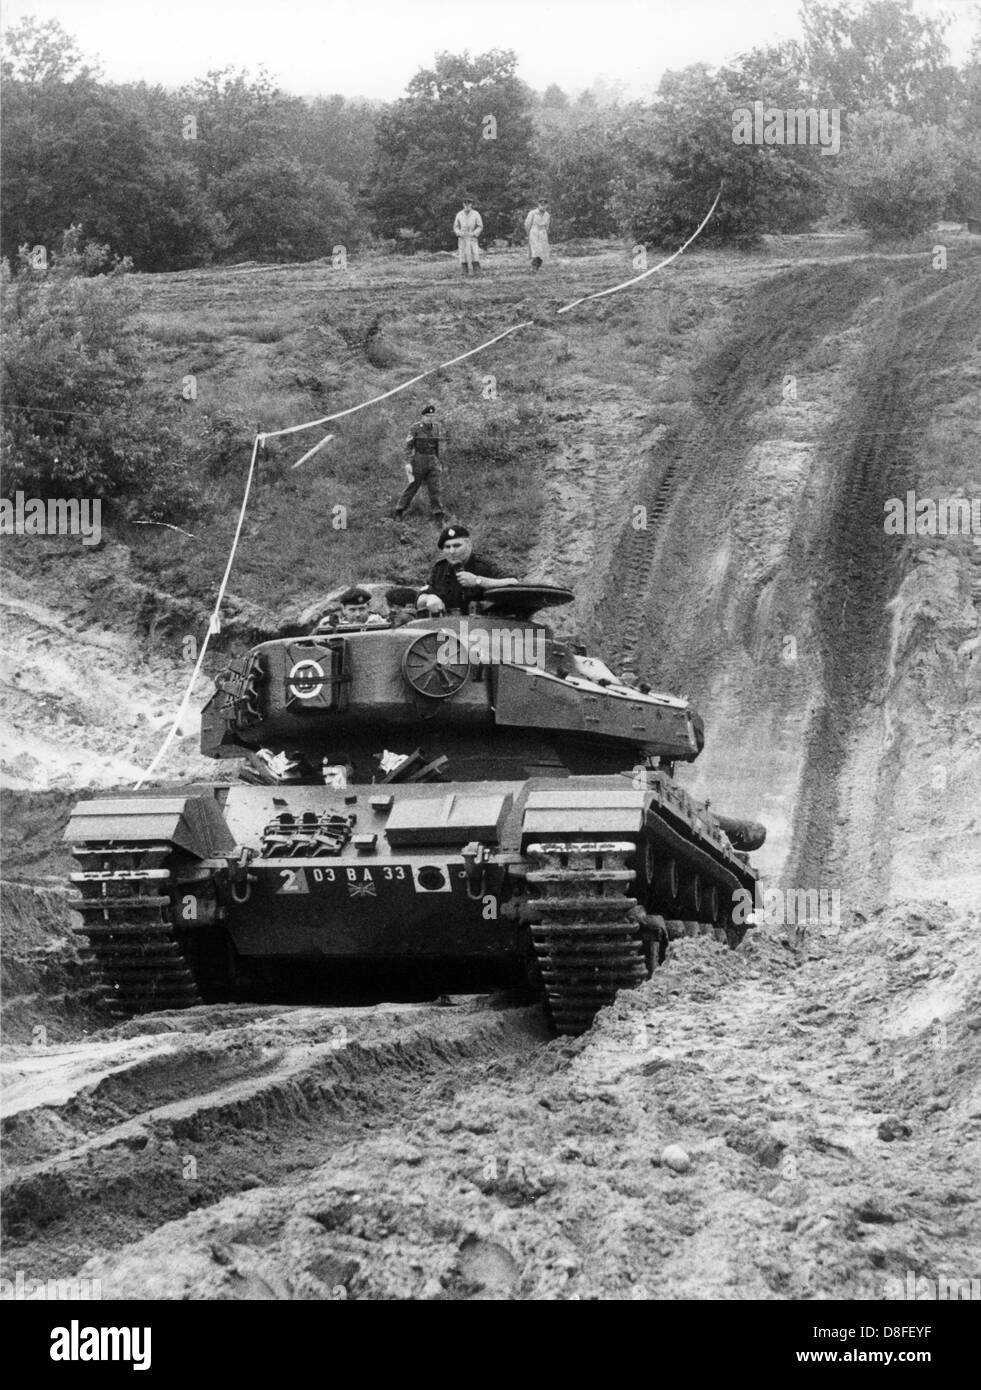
column 270, row 330
column 174, row 330
column 303, row 355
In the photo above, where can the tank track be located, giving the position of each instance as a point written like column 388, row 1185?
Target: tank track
column 125, row 902
column 639, row 560
column 587, row 942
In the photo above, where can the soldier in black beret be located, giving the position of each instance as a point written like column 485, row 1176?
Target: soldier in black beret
column 460, row 577
column 354, row 611
column 423, row 465
column 401, row 601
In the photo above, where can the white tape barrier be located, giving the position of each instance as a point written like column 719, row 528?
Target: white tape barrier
column 214, row 624
column 482, row 347
column 614, row 289
column 352, row 409
column 260, row 439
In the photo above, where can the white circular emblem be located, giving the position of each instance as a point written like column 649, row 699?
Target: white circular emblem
column 306, row 679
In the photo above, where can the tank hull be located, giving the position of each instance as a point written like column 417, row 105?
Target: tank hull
column 180, row 894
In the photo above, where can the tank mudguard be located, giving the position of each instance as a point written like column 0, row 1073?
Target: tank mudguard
column 572, row 809
column 191, row 823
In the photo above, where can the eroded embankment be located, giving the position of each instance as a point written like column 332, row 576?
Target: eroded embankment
column 769, row 575
column 49, row 993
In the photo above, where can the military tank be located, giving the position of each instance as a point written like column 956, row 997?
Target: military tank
column 465, row 789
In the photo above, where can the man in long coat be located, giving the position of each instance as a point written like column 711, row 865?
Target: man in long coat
column 467, row 227
column 537, row 225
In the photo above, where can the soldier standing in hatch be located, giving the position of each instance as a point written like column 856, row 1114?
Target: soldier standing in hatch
column 459, row 577
column 423, row 465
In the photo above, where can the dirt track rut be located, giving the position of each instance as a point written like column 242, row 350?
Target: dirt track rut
column 103, row 1142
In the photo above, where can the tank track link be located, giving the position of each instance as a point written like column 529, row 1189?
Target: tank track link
column 124, row 897
column 587, row 942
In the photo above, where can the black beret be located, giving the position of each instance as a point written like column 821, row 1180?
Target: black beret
column 401, row 595
column 355, row 596
column 451, row 533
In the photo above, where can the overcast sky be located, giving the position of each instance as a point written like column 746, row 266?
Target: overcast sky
column 372, row 47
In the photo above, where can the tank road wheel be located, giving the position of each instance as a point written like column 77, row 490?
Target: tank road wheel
column 690, row 898
column 665, row 883
column 725, row 928
column 587, row 942
column 125, row 903
column 710, row 904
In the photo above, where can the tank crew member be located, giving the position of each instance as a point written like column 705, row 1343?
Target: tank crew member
column 354, row 612
column 423, row 464
column 401, row 601
column 329, row 619
column 467, row 227
column 461, row 576
column 536, row 225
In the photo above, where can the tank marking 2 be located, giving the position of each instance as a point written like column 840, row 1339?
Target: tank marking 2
column 294, row 881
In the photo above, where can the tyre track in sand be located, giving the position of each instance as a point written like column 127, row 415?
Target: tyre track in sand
column 139, row 1131
column 828, row 1148
column 875, row 436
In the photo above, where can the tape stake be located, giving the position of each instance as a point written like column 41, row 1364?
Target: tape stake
column 316, row 449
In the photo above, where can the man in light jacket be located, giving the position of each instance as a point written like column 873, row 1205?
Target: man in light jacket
column 467, row 227
column 536, row 225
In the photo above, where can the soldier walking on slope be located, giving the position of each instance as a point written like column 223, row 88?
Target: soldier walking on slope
column 423, row 465
column 467, row 227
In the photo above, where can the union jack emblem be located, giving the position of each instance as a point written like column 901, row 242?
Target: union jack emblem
column 362, row 890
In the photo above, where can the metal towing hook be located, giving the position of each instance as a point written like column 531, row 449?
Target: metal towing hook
column 239, row 878
column 476, row 858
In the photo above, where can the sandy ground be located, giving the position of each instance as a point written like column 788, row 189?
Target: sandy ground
column 796, row 1119
column 792, row 1120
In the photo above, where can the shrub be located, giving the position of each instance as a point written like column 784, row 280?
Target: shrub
column 895, row 176
column 77, row 417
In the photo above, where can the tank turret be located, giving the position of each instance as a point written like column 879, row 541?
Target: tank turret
column 494, row 691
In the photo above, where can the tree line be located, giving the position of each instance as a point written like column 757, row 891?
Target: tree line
column 231, row 168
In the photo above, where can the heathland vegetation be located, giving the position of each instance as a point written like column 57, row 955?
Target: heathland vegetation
column 109, row 391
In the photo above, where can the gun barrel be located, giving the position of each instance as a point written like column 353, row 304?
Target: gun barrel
column 744, row 834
